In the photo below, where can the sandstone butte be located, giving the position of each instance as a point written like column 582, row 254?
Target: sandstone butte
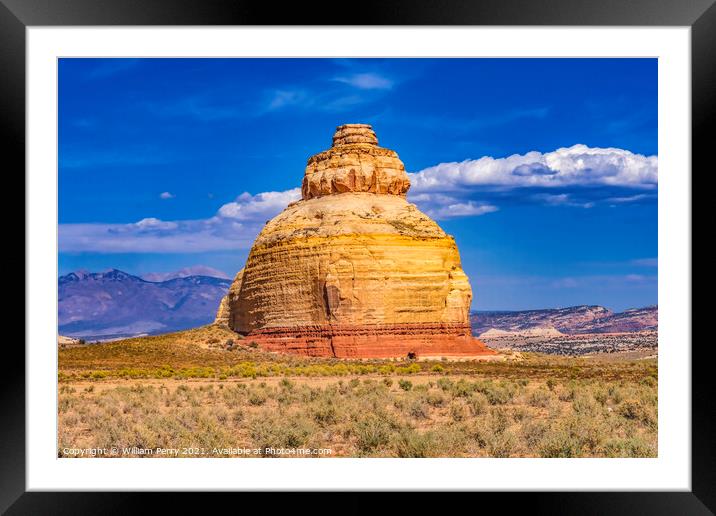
column 353, row 270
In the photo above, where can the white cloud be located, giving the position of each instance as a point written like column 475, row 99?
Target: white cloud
column 443, row 191
column 367, row 81
column 164, row 237
column 155, row 224
column 629, row 198
column 578, row 165
column 563, row 199
column 235, row 226
column 440, row 206
column 259, row 206
column 166, row 195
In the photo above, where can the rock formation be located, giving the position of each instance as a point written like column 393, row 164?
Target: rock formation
column 353, row 269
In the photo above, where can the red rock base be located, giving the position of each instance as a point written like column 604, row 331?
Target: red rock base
column 373, row 341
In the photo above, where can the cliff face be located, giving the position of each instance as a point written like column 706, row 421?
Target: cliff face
column 353, row 269
column 355, row 163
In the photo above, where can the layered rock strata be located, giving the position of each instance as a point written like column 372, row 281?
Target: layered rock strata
column 353, row 269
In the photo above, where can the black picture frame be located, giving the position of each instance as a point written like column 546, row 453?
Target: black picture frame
column 700, row 15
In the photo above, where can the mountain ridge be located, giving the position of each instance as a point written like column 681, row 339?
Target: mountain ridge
column 573, row 320
column 114, row 303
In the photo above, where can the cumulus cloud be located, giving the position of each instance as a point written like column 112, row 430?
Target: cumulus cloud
column 578, row 165
column 448, row 190
column 262, row 205
column 166, row 195
column 234, row 226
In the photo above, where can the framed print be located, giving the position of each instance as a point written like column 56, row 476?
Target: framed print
column 437, row 249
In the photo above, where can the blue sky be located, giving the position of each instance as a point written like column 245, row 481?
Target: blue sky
column 544, row 170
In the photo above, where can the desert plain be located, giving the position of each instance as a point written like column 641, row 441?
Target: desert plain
column 207, row 392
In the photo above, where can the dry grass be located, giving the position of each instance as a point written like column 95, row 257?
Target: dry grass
column 435, row 417
column 181, row 391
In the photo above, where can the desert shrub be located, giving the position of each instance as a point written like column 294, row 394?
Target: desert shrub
column 539, row 398
column 371, row 432
column 409, row 443
column 616, row 394
column 386, row 369
column 551, row 384
column 600, row 395
column 277, row 432
column 436, row 399
column 437, row 368
column 388, row 382
column 458, row 411
column 418, row 409
column 568, row 392
column 649, row 381
column 533, row 432
column 64, row 404
column 559, row 443
column 287, row 384
column 462, row 389
column 477, row 403
column 221, row 415
column 325, row 413
column 257, row 397
column 406, row 385
column 585, row 404
column 521, row 413
column 411, row 369
column 501, row 445
column 499, row 419
column 629, row 447
column 445, row 384
column 636, row 410
column 496, row 394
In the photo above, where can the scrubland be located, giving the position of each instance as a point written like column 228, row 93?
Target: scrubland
column 186, row 393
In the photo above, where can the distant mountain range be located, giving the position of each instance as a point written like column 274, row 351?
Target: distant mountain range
column 196, row 270
column 114, row 304
column 571, row 320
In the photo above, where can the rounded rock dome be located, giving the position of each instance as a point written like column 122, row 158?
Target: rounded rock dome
column 353, row 269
